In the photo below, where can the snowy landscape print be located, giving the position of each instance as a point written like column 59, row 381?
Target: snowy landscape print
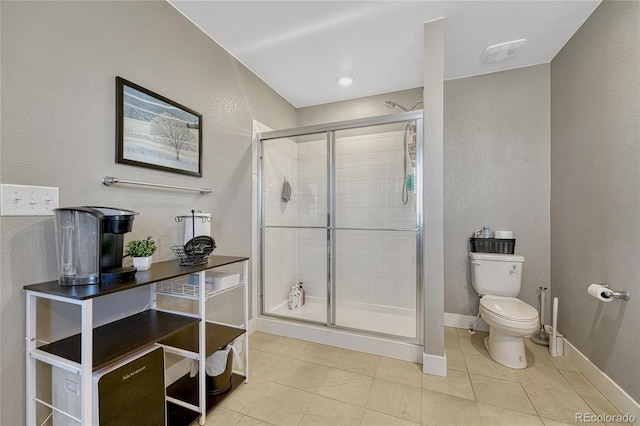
column 157, row 133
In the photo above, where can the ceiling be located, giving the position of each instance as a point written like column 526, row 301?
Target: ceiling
column 299, row 48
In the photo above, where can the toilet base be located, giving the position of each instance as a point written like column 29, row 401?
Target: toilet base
column 506, row 349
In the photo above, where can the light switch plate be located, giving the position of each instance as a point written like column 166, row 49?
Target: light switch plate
column 24, row 200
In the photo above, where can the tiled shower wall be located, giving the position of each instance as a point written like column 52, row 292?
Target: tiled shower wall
column 375, row 267
column 279, row 163
column 312, row 211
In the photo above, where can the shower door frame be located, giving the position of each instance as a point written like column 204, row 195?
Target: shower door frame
column 330, row 130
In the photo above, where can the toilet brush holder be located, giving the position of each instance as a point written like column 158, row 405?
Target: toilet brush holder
column 541, row 337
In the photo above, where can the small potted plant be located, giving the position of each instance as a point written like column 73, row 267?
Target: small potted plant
column 141, row 251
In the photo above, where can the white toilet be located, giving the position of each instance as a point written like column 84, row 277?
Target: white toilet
column 496, row 278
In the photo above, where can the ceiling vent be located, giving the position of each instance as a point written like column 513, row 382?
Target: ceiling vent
column 502, row 52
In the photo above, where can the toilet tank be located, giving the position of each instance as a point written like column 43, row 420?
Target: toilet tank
column 497, row 274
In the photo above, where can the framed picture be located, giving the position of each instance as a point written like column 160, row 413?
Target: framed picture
column 155, row 132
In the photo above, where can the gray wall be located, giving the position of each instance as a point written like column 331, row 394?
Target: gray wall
column 496, row 173
column 59, row 62
column 595, row 192
column 370, row 106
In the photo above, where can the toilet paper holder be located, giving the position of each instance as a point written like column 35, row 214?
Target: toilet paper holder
column 624, row 295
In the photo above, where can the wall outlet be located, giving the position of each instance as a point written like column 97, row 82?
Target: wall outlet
column 25, row 200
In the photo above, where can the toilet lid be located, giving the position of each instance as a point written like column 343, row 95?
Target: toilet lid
column 509, row 308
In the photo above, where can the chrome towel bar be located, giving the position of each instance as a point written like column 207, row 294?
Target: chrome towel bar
column 110, row 180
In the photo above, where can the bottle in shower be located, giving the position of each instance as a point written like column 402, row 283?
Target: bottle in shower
column 294, row 298
column 303, row 294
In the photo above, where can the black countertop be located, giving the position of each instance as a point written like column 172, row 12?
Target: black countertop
column 159, row 272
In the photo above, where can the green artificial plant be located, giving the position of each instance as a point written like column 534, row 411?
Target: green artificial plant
column 141, row 248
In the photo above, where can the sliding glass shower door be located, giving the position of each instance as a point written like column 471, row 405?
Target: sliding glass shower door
column 294, row 225
column 350, row 232
column 374, row 230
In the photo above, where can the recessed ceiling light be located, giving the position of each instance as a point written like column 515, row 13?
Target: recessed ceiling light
column 345, row 79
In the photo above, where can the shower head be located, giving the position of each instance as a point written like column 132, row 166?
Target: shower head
column 391, row 104
column 417, row 103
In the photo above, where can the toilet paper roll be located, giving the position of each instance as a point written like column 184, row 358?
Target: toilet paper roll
column 503, row 234
column 202, row 226
column 599, row 292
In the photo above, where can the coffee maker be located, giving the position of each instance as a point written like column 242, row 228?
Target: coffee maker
column 89, row 244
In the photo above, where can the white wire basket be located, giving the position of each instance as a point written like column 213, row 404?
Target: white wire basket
column 183, row 288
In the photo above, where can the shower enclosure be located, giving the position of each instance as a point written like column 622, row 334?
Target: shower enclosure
column 340, row 215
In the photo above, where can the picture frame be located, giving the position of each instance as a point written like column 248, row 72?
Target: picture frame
column 155, row 132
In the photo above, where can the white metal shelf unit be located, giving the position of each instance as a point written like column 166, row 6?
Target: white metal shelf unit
column 85, row 358
column 181, row 287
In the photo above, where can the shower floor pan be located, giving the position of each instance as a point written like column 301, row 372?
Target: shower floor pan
column 356, row 315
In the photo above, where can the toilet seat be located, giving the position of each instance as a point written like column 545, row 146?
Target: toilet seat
column 510, row 315
column 508, row 308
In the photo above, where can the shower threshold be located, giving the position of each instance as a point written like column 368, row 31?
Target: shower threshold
column 355, row 315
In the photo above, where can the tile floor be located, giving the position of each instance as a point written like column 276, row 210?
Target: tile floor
column 293, row 382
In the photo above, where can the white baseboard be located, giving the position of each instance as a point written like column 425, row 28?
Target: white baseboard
column 463, row 321
column 610, row 389
column 434, row 364
column 177, row 370
column 252, row 326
